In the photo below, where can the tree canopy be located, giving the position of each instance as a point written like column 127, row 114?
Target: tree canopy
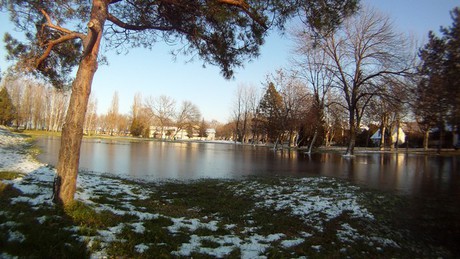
column 221, row 32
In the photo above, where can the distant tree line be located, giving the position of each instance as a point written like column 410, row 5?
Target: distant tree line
column 31, row 104
column 27, row 103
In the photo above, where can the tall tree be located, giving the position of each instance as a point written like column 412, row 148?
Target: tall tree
column 162, row 110
column 187, row 116
column 295, row 103
column 452, row 39
column 313, row 67
column 363, row 52
column 270, row 111
column 437, row 95
column 91, row 115
column 6, row 107
column 243, row 111
column 113, row 115
column 221, row 32
column 139, row 119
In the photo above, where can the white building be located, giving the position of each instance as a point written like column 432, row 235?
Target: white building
column 396, row 137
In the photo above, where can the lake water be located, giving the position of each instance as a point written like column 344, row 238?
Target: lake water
column 400, row 173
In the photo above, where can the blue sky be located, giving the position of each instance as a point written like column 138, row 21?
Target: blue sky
column 154, row 72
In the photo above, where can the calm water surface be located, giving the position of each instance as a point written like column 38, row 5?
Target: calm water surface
column 400, row 173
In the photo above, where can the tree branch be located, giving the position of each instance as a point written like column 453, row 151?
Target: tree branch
column 246, row 9
column 50, row 24
column 69, row 35
column 126, row 26
column 53, row 43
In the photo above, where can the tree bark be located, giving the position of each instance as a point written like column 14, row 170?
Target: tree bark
column 352, row 134
column 72, row 133
column 426, row 137
column 382, row 137
column 313, row 141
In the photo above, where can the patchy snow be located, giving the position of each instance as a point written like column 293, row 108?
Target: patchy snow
column 141, row 248
column 251, row 247
column 138, row 227
column 191, row 225
column 307, row 199
column 317, row 248
column 16, row 236
column 291, row 243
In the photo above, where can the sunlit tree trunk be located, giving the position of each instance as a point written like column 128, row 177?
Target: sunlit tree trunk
column 72, row 132
column 426, row 137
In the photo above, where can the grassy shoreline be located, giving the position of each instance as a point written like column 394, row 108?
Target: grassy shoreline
column 333, row 149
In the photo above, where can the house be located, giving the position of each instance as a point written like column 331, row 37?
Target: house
column 175, row 133
column 210, row 134
column 397, row 136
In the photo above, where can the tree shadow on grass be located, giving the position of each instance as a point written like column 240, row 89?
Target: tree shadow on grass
column 35, row 230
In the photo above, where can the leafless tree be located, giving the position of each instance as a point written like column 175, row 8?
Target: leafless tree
column 91, row 115
column 161, row 110
column 187, row 116
column 57, row 103
column 244, row 109
column 295, row 98
column 360, row 54
column 137, row 105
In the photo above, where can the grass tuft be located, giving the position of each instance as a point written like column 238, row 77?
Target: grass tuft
column 84, row 215
column 10, row 175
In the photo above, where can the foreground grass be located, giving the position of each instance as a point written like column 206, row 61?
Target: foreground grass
column 273, row 217
column 24, row 233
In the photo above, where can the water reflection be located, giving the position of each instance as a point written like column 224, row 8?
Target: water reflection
column 399, row 173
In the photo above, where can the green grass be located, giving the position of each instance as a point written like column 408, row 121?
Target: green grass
column 10, row 175
column 207, row 201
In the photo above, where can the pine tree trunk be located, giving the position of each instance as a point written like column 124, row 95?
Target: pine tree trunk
column 72, row 133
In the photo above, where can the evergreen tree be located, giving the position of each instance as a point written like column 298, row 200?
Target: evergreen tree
column 7, row 109
column 137, row 128
column 452, row 67
column 431, row 96
column 437, row 97
column 270, row 113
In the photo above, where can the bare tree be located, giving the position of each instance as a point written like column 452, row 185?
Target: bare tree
column 39, row 111
column 91, row 115
column 187, row 116
column 295, row 99
column 162, row 110
column 312, row 65
column 113, row 114
column 365, row 50
column 137, row 105
column 57, row 103
column 243, row 111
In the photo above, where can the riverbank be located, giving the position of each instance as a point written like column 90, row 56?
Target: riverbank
column 322, row 149
column 254, row 217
